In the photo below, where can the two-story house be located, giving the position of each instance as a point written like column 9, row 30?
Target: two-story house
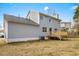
column 32, row 27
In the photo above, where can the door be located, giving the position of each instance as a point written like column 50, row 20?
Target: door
column 50, row 31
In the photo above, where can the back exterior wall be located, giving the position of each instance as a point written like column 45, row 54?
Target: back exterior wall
column 44, row 22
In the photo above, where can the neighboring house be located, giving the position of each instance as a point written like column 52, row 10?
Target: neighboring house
column 32, row 27
column 66, row 25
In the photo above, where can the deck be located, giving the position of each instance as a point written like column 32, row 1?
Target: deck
column 59, row 34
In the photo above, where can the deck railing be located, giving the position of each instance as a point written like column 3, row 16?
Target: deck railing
column 59, row 34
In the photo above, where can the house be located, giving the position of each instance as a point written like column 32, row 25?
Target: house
column 32, row 27
column 66, row 25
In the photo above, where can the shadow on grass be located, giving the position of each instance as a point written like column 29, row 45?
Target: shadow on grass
column 30, row 42
column 38, row 41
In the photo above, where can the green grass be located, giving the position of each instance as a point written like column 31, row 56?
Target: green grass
column 42, row 48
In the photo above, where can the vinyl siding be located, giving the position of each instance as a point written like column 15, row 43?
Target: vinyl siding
column 17, row 30
column 54, row 24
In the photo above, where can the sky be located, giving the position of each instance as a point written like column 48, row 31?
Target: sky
column 65, row 10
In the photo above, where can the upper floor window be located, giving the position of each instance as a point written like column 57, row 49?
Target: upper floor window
column 44, row 29
column 49, row 20
column 41, row 17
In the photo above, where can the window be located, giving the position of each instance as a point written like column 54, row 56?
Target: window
column 49, row 20
column 41, row 17
column 44, row 29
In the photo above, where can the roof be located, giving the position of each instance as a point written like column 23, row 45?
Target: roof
column 50, row 16
column 45, row 15
column 16, row 19
column 65, row 22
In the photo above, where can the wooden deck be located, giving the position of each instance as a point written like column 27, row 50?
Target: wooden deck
column 59, row 34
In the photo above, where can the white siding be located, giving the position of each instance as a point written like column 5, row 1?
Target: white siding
column 33, row 16
column 6, row 29
column 54, row 24
column 22, row 32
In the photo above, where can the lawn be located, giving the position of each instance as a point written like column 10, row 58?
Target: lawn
column 2, row 41
column 42, row 48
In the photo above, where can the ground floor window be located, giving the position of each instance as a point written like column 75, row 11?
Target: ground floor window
column 44, row 29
